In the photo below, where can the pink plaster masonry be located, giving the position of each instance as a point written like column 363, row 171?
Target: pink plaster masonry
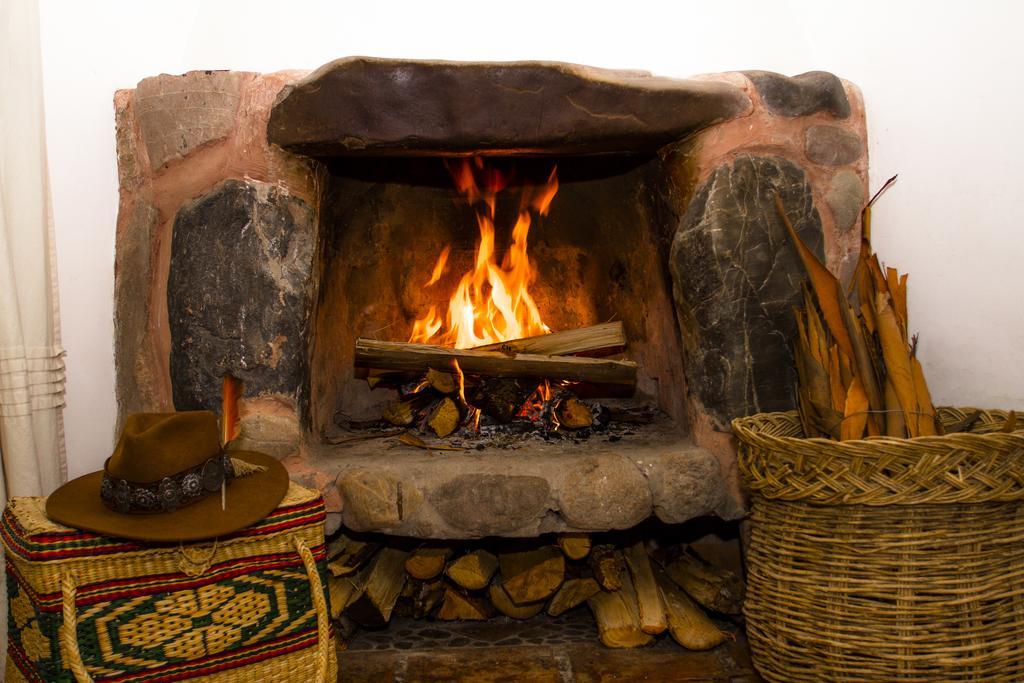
column 243, row 153
column 150, row 198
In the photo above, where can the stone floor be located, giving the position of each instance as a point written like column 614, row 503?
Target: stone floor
column 538, row 650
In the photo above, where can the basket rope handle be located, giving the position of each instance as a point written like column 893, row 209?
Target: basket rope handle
column 68, row 635
column 69, row 651
column 323, row 626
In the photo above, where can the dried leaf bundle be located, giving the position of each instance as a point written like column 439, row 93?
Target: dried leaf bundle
column 857, row 366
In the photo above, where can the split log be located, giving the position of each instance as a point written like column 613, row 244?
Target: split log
column 401, row 413
column 532, row 575
column 607, row 565
column 503, row 603
column 427, row 562
column 445, row 418
column 443, row 382
column 652, row 611
column 712, row 587
column 473, row 571
column 346, row 555
column 687, row 623
column 603, row 337
column 343, row 590
column 458, row 606
column 574, row 414
column 572, row 593
column 575, row 546
column 384, row 582
column 500, row 398
column 426, row 596
column 404, row 356
column 618, row 616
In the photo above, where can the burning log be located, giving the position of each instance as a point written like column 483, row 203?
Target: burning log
column 603, row 337
column 574, row 414
column 445, row 417
column 443, row 382
column 474, row 570
column 500, row 398
column 403, row 356
column 400, row 413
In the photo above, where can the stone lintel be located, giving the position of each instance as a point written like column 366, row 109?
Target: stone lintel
column 366, row 106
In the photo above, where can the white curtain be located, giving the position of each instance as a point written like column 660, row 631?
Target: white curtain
column 31, row 357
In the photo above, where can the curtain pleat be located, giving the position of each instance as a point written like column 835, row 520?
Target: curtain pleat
column 31, row 356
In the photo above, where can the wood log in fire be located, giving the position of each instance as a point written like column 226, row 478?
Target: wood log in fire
column 404, row 356
column 604, row 337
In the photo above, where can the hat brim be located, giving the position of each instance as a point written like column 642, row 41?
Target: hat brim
column 248, row 500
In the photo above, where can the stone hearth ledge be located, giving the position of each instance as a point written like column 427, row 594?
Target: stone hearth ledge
column 387, row 487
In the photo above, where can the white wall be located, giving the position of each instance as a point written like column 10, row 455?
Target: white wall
column 940, row 82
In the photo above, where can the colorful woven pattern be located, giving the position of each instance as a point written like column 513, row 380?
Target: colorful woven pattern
column 229, row 610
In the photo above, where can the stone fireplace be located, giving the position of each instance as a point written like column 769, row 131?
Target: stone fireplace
column 267, row 221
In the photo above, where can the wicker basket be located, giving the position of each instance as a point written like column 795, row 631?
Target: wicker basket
column 885, row 559
column 248, row 607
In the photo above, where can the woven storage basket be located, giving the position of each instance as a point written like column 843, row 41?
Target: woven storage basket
column 248, row 607
column 885, row 559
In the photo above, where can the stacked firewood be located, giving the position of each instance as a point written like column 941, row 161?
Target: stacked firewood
column 535, row 380
column 635, row 590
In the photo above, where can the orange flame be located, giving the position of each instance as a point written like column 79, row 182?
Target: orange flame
column 491, row 303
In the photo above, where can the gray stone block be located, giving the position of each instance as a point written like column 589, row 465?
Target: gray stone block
column 238, row 293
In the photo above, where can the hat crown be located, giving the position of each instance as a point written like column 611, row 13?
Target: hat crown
column 157, row 445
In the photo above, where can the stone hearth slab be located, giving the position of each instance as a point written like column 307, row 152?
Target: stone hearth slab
column 598, row 485
column 364, row 106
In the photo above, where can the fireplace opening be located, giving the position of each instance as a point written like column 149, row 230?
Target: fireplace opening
column 586, row 238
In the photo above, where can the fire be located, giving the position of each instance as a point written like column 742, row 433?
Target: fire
column 492, row 302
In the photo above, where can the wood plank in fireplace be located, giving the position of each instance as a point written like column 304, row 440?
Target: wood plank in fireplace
column 409, row 357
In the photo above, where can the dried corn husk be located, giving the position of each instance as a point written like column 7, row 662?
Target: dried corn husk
column 856, row 362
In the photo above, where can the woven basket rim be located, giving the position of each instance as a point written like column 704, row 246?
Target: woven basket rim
column 752, row 424
column 986, row 466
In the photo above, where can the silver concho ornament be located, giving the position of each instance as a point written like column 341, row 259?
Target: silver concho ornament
column 144, row 499
column 107, row 489
column 122, row 496
column 170, row 495
column 191, row 485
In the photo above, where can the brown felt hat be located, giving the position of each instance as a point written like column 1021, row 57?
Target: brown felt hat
column 164, row 482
